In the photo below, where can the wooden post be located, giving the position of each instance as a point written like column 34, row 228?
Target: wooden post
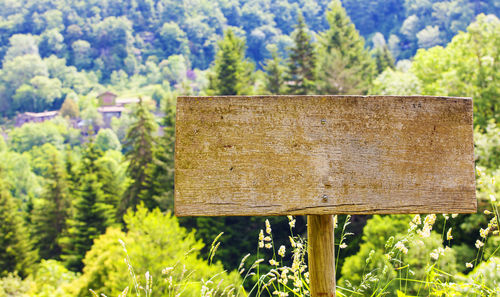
column 321, row 251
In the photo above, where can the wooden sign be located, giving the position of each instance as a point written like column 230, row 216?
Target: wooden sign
column 299, row 155
column 323, row 155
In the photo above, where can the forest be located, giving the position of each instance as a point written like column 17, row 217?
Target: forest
column 86, row 184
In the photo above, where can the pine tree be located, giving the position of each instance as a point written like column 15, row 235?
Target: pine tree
column 16, row 254
column 274, row 78
column 161, row 176
column 345, row 66
column 50, row 214
column 91, row 214
column 231, row 72
column 300, row 75
column 140, row 142
column 383, row 58
column 71, row 173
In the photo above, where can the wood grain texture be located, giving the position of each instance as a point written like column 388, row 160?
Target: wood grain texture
column 321, row 255
column 277, row 155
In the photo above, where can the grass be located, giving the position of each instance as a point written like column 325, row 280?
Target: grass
column 282, row 280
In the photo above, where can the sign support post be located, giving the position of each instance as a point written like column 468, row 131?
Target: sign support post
column 321, row 255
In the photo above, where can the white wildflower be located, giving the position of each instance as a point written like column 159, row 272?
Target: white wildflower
column 448, row 235
column 343, row 245
column 243, row 261
column 268, row 245
column 268, row 227
column 484, row 232
column 401, row 247
column 493, row 198
column 258, row 261
column 267, row 238
column 487, row 212
column 425, row 232
column 273, row 262
column 436, row 253
column 281, row 251
column 469, row 265
column 454, row 215
column 430, row 219
column 261, row 235
column 479, row 244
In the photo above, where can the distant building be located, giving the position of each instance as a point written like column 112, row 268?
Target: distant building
column 108, row 112
column 107, row 98
column 35, row 117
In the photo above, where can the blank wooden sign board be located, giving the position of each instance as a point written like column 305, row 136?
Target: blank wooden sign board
column 323, row 155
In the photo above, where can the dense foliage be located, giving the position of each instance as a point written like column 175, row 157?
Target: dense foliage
column 82, row 191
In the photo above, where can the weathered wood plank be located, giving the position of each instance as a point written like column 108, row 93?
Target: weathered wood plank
column 276, row 155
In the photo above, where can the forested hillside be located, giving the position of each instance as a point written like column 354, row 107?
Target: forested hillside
column 87, row 112
column 52, row 49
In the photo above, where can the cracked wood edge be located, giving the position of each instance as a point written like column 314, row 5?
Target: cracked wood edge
column 277, row 155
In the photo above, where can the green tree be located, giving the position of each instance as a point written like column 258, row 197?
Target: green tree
column 161, row 172
column 231, row 72
column 468, row 66
column 17, row 172
column 113, row 36
column 387, row 247
column 51, row 212
column 428, row 37
column 81, row 54
column 173, row 39
column 30, row 135
column 174, row 69
column 37, row 95
column 15, row 73
column 300, row 73
column 51, row 43
column 139, row 144
column 3, row 145
column 396, row 82
column 15, row 248
column 106, row 139
column 69, row 109
column 155, row 242
column 274, row 79
column 111, row 174
column 383, row 58
column 20, row 45
column 91, row 214
column 345, row 66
